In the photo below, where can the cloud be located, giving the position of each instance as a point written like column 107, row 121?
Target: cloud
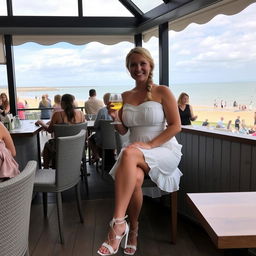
column 224, row 43
column 69, row 64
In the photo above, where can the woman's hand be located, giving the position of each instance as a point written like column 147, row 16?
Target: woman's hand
column 41, row 123
column 140, row 145
column 38, row 122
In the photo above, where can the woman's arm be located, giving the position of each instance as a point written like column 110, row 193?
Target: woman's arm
column 6, row 137
column 53, row 121
column 7, row 109
column 193, row 117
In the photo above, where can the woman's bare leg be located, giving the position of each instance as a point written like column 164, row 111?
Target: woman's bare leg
column 134, row 209
column 126, row 179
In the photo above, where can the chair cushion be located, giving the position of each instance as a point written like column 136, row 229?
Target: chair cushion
column 45, row 177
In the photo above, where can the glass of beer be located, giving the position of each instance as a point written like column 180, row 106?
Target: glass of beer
column 116, row 103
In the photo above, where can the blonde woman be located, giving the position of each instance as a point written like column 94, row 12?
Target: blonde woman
column 57, row 103
column 185, row 110
column 152, row 149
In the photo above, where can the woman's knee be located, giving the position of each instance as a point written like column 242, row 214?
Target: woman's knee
column 130, row 153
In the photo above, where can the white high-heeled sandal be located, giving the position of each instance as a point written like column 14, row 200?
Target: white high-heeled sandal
column 132, row 248
column 122, row 238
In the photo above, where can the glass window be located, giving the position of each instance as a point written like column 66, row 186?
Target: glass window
column 3, row 79
column 104, row 8
column 45, row 7
column 152, row 46
column 65, row 68
column 215, row 65
column 3, row 8
column 146, row 6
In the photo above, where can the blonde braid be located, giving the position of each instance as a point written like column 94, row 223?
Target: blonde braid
column 149, row 87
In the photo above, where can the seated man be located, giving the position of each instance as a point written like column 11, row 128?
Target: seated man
column 93, row 105
column 220, row 123
column 94, row 141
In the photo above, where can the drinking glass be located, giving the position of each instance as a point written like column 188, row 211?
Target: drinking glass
column 116, row 102
column 90, row 117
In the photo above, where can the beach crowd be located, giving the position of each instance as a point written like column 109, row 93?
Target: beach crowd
column 48, row 106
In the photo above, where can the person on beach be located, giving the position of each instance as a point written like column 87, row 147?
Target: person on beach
column 44, row 105
column 237, row 123
column 220, row 123
column 185, row 110
column 8, row 166
column 205, row 123
column 243, row 129
column 69, row 115
column 93, row 105
column 151, row 115
column 5, row 106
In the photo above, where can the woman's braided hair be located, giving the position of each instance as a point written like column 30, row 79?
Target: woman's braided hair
column 146, row 54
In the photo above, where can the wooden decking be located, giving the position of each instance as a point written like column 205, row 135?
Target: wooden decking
column 84, row 239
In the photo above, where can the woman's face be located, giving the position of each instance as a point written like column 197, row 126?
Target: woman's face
column 139, row 67
column 3, row 97
column 184, row 99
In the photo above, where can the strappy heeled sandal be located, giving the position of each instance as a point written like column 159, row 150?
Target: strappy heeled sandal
column 131, row 249
column 122, row 238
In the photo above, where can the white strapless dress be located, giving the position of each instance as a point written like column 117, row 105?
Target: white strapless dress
column 145, row 122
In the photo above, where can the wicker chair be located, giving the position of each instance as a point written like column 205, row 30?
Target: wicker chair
column 63, row 130
column 15, row 203
column 148, row 187
column 67, row 174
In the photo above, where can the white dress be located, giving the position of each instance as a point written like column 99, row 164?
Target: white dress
column 145, row 122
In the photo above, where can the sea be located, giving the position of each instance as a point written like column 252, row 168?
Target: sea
column 203, row 94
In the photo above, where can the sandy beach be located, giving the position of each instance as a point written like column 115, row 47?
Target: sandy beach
column 214, row 114
column 203, row 112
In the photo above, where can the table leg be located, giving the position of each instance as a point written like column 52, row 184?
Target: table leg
column 39, row 150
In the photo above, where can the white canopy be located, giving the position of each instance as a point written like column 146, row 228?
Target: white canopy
column 73, row 39
column 227, row 7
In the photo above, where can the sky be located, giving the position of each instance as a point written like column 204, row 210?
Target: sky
column 223, row 50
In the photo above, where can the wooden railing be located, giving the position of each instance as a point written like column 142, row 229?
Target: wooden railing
column 215, row 161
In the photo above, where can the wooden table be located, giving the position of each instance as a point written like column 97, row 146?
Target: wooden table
column 27, row 143
column 228, row 218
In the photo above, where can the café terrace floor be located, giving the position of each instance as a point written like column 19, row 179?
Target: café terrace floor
column 84, row 239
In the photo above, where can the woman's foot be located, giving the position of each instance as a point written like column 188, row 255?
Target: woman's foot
column 118, row 233
column 132, row 240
